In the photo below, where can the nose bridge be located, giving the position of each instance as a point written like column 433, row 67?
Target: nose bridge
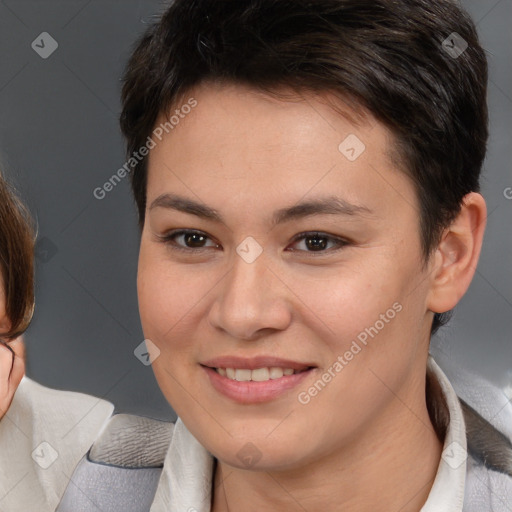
column 250, row 300
column 246, row 287
column 249, row 265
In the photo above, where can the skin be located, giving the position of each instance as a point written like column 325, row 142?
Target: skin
column 356, row 443
column 11, row 371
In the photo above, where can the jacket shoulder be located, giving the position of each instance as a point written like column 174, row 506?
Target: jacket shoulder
column 486, row 444
column 122, row 469
column 132, row 441
column 489, row 464
column 43, row 436
column 486, row 489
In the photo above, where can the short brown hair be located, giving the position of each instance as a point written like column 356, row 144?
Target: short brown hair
column 416, row 65
column 16, row 260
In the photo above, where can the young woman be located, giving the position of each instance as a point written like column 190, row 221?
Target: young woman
column 44, row 433
column 307, row 180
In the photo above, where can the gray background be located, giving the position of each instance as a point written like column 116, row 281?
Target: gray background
column 59, row 140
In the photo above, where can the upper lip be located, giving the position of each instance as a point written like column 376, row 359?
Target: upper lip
column 254, row 362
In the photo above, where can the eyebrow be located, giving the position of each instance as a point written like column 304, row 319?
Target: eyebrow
column 325, row 205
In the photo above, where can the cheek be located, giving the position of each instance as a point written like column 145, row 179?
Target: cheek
column 163, row 307
column 173, row 302
column 166, row 293
column 351, row 300
column 374, row 315
column 161, row 302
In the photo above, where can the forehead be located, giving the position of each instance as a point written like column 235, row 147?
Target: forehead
column 227, row 114
column 244, row 147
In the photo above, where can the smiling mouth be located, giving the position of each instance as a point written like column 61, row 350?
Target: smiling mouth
column 258, row 384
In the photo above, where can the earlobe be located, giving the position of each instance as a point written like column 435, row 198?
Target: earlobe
column 456, row 257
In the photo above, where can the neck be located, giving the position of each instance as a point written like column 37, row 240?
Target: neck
column 390, row 466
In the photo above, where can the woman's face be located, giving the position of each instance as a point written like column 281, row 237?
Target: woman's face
column 270, row 282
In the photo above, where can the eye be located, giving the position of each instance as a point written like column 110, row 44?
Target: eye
column 192, row 240
column 316, row 242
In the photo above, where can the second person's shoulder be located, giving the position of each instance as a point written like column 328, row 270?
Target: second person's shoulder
column 43, row 436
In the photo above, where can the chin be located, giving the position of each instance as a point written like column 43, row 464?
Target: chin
column 252, row 459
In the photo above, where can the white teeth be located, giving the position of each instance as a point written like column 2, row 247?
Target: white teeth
column 276, row 373
column 243, row 375
column 260, row 374
column 257, row 375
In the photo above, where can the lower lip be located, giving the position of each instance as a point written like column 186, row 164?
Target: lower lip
column 251, row 392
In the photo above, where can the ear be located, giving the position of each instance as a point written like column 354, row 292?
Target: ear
column 455, row 259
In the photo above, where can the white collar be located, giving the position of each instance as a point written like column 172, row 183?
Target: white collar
column 186, row 480
column 447, row 492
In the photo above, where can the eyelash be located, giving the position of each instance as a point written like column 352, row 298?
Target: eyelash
column 169, row 240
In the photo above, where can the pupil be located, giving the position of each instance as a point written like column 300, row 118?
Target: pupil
column 194, row 239
column 318, row 242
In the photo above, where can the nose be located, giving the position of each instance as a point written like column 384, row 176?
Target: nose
column 252, row 301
